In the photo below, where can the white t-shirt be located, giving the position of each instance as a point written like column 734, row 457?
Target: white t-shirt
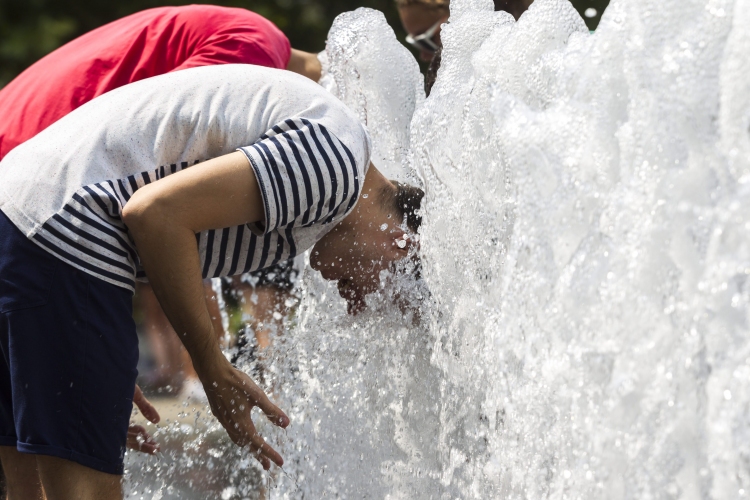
column 66, row 188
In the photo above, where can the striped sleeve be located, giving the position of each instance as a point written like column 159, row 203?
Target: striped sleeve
column 306, row 175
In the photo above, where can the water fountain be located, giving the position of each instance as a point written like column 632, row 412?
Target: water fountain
column 582, row 327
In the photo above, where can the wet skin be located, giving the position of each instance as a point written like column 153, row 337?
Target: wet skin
column 365, row 243
column 163, row 218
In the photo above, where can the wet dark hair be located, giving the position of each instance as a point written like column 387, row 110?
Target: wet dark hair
column 405, row 201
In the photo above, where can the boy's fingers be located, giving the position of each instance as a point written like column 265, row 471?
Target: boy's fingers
column 264, row 450
column 241, row 431
column 272, row 411
column 135, row 430
column 149, row 448
column 139, row 440
column 263, row 460
column 146, row 408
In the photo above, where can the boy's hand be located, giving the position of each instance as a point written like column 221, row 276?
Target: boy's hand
column 232, row 395
column 145, row 406
column 163, row 218
column 138, row 438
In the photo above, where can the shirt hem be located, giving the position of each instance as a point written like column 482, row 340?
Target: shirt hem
column 18, row 217
column 29, row 228
column 116, row 283
column 268, row 219
column 73, row 456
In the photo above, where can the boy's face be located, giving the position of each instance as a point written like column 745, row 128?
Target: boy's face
column 356, row 260
column 358, row 249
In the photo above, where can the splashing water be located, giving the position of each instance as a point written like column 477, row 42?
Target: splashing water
column 582, row 328
column 372, row 73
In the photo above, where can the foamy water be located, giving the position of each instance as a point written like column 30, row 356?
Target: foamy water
column 582, row 327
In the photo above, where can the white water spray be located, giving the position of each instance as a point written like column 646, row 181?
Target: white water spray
column 583, row 327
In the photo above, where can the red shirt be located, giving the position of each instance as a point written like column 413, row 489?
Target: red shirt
column 149, row 43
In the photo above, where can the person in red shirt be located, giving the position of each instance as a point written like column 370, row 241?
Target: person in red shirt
column 145, row 44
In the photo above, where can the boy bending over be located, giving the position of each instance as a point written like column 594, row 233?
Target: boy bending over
column 201, row 173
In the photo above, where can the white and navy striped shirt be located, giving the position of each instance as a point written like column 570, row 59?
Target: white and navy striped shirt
column 66, row 188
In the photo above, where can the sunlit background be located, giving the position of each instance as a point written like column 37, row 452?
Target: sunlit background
column 30, row 29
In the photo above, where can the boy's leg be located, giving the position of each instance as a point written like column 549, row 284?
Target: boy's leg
column 265, row 300
column 165, row 345
column 21, row 479
column 21, row 475
column 268, row 313
column 66, row 480
column 62, row 479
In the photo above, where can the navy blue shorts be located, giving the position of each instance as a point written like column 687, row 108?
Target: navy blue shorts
column 69, row 354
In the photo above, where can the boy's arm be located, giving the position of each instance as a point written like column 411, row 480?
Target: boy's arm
column 163, row 218
column 306, row 64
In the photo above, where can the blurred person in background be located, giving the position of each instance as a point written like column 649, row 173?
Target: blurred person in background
column 422, row 20
column 139, row 46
